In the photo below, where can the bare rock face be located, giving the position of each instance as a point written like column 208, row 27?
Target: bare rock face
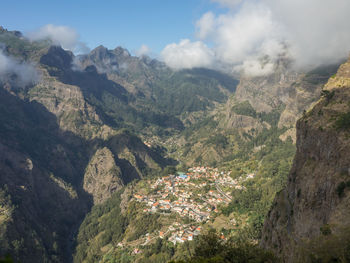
column 102, row 176
column 265, row 93
column 317, row 193
column 67, row 102
column 285, row 87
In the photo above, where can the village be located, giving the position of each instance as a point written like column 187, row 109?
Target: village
column 193, row 196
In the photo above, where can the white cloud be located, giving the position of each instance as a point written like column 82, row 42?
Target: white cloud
column 25, row 73
column 311, row 32
column 244, row 34
column 317, row 31
column 205, row 25
column 187, row 54
column 143, row 50
column 64, row 36
column 255, row 67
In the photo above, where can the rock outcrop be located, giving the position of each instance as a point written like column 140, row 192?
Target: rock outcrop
column 317, row 195
column 295, row 91
column 102, row 176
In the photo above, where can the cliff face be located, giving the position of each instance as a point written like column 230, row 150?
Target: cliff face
column 102, row 176
column 317, row 195
column 289, row 90
column 260, row 103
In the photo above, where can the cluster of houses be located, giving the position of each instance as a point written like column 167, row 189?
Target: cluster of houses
column 194, row 195
column 183, row 234
column 187, row 195
column 175, row 193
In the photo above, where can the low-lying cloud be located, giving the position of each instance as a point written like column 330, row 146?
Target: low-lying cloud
column 26, row 74
column 253, row 34
column 144, row 50
column 187, row 54
column 64, row 36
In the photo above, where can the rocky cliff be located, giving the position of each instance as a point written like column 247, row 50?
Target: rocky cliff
column 102, row 176
column 315, row 203
column 260, row 103
column 285, row 89
column 59, row 150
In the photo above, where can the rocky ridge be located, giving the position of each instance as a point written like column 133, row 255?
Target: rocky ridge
column 316, row 200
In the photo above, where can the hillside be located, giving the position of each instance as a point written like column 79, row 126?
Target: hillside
column 260, row 103
column 108, row 156
column 309, row 219
column 68, row 140
column 51, row 136
column 247, row 142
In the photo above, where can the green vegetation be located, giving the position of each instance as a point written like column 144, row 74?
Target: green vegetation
column 210, row 248
column 343, row 121
column 20, row 47
column 326, row 230
column 189, row 90
column 332, row 247
column 218, row 140
column 328, row 95
column 244, row 108
column 271, row 174
column 341, row 188
column 6, row 259
column 273, row 116
column 105, row 220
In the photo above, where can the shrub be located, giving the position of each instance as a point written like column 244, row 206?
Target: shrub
column 210, row 248
column 244, row 108
column 343, row 121
column 341, row 188
column 326, row 230
column 328, row 95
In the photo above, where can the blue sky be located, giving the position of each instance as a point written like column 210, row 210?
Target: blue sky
column 128, row 23
column 231, row 34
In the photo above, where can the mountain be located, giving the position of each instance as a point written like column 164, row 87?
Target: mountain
column 51, row 140
column 160, row 95
column 260, row 103
column 80, row 136
column 68, row 137
column 238, row 137
column 309, row 219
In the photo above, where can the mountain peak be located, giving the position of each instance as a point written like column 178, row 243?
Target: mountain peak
column 99, row 52
column 57, row 57
column 119, row 51
column 99, row 49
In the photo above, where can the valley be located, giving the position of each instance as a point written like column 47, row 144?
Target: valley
column 110, row 157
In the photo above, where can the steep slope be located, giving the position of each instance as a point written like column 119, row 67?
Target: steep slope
column 260, row 103
column 314, row 206
column 287, row 89
column 102, row 176
column 158, row 89
column 65, row 135
column 51, row 134
column 39, row 182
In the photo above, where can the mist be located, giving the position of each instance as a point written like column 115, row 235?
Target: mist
column 26, row 73
column 66, row 37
